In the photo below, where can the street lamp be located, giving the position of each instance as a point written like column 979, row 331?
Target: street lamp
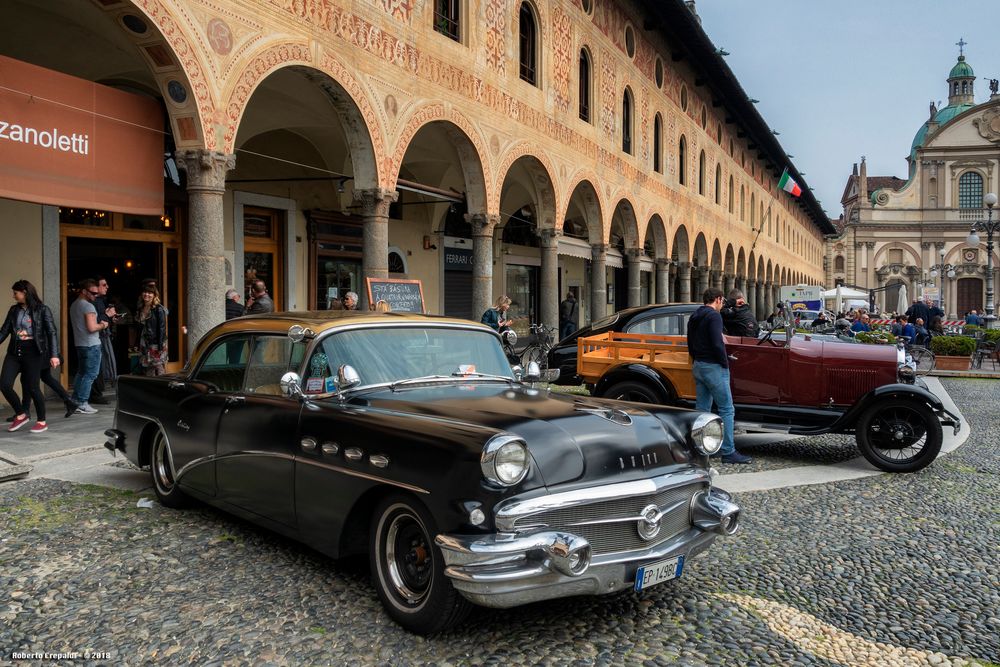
column 989, row 226
column 943, row 270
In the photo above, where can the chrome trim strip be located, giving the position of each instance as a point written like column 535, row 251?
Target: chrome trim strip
column 156, row 421
column 231, row 455
column 356, row 473
column 508, row 512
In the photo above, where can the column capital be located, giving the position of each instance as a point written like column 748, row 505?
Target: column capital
column 684, row 266
column 483, row 224
column 206, row 170
column 599, row 249
column 869, row 244
column 925, row 245
column 729, row 276
column 375, row 201
column 751, row 283
column 939, row 245
column 662, row 264
column 549, row 237
column 633, row 254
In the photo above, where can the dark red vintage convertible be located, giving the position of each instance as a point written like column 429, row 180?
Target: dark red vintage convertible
column 781, row 382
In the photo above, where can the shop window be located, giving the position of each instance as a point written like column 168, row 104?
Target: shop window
column 522, row 288
column 446, row 18
column 149, row 223
column 84, row 217
column 528, row 44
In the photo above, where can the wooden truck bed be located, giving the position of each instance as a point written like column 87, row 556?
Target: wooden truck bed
column 667, row 355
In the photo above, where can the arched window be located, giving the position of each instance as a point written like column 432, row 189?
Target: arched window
column 627, row 121
column 682, row 161
column 956, row 88
column 965, row 87
column 838, row 263
column 732, row 195
column 658, row 144
column 753, row 212
column 743, row 204
column 970, row 190
column 718, row 183
column 528, row 50
column 584, row 85
column 701, row 173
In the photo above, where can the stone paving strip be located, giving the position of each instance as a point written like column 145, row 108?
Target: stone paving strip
column 891, row 569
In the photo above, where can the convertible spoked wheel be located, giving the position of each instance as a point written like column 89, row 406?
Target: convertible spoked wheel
column 162, row 470
column 899, row 435
column 408, row 569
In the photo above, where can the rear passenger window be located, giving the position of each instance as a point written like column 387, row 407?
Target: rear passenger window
column 663, row 325
column 272, row 357
column 225, row 364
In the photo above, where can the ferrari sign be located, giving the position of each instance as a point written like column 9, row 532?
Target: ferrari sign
column 70, row 142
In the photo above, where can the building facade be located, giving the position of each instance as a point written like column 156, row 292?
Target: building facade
column 910, row 234
column 483, row 147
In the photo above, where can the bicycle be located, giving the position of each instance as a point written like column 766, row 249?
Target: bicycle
column 543, row 339
column 923, row 359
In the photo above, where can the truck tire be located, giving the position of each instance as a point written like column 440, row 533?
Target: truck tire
column 635, row 391
column 899, row 435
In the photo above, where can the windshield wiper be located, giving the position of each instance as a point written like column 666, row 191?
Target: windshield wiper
column 425, row 378
column 488, row 376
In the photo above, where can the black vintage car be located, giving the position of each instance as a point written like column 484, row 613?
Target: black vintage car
column 410, row 438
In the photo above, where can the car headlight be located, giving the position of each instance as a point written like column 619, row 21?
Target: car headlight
column 505, row 460
column 906, row 374
column 707, row 432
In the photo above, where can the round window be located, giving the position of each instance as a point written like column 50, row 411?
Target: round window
column 704, row 118
column 588, row 6
column 684, row 98
column 629, row 41
column 658, row 72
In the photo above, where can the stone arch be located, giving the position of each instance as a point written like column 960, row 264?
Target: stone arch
column 700, row 256
column 729, row 263
column 768, row 275
column 543, row 173
column 897, row 245
column 625, row 212
column 716, row 261
column 741, row 265
column 347, row 96
column 680, row 248
column 656, row 230
column 593, row 204
column 760, row 269
column 468, row 143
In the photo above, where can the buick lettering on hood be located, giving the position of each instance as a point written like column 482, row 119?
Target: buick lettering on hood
column 409, row 438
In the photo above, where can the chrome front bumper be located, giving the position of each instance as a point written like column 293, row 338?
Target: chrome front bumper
column 511, row 569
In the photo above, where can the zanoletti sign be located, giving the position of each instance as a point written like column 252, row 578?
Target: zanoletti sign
column 71, row 142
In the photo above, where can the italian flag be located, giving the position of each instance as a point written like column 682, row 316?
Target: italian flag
column 788, row 184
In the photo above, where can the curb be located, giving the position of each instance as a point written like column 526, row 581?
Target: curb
column 856, row 468
column 11, row 467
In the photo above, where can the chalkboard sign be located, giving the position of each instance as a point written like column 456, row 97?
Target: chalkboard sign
column 403, row 296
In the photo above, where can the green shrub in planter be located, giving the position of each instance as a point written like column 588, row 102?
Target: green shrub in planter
column 992, row 335
column 875, row 338
column 953, row 346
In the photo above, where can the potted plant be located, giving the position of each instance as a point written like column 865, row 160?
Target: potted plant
column 953, row 353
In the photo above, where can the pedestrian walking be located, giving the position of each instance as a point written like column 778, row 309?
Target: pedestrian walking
column 711, row 369
column 86, row 330
column 152, row 318
column 569, row 312
column 109, row 368
column 33, row 347
column 259, row 301
column 233, row 307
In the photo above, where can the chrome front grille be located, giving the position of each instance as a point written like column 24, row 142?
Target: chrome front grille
column 611, row 526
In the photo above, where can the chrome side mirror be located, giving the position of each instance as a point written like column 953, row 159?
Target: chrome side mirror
column 291, row 384
column 347, row 377
column 297, row 333
column 534, row 372
column 518, row 371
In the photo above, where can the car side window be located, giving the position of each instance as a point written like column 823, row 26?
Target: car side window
column 225, row 364
column 272, row 357
column 662, row 325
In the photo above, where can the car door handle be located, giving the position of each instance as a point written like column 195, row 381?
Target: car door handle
column 733, row 357
column 175, row 384
column 233, row 400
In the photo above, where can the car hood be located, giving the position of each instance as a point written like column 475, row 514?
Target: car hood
column 570, row 437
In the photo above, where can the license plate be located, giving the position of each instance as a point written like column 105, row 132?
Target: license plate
column 657, row 573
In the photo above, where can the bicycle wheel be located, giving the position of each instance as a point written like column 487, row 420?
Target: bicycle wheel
column 923, row 358
column 535, row 353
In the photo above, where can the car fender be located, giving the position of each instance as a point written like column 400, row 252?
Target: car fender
column 640, row 373
column 907, row 391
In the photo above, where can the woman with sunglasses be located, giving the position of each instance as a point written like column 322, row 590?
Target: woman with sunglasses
column 33, row 346
column 152, row 318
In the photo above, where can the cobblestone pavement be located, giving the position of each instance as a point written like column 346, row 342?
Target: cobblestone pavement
column 888, row 570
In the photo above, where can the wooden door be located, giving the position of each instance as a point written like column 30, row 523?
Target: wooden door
column 263, row 252
column 970, row 295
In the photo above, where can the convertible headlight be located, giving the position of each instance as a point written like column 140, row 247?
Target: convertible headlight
column 505, row 460
column 707, row 432
column 906, row 374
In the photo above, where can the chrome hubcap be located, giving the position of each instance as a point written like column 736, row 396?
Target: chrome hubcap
column 162, row 472
column 408, row 558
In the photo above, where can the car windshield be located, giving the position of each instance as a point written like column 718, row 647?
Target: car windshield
column 391, row 354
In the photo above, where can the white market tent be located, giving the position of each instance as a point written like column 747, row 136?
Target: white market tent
column 839, row 294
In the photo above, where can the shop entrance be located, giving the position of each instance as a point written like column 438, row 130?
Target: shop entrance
column 125, row 258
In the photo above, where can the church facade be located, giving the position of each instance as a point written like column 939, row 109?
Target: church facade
column 911, row 234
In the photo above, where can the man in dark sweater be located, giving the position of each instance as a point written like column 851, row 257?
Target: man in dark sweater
column 711, row 369
column 233, row 307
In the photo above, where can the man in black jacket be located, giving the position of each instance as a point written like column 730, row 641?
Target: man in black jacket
column 711, row 369
column 737, row 320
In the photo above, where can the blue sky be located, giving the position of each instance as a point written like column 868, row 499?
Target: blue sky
column 853, row 77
